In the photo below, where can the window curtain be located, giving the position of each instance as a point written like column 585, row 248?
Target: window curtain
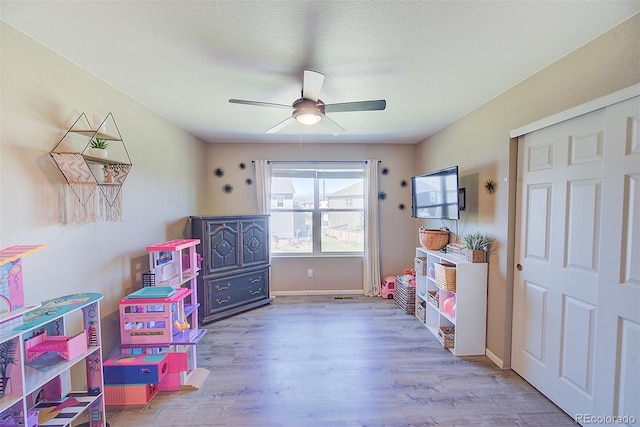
column 371, row 264
column 263, row 185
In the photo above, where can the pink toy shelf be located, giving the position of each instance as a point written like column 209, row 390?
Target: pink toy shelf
column 68, row 347
column 161, row 318
column 172, row 263
column 154, row 321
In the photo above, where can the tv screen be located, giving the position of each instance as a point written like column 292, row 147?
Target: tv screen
column 434, row 195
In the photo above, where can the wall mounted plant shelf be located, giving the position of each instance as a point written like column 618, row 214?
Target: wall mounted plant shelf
column 94, row 176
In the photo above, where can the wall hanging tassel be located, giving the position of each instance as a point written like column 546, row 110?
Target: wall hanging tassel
column 80, row 203
column 110, row 206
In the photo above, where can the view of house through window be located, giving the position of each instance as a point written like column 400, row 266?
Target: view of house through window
column 317, row 209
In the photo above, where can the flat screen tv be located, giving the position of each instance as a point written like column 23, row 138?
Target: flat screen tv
column 434, row 195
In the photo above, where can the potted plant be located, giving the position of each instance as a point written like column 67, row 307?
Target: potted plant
column 98, row 147
column 476, row 244
column 7, row 357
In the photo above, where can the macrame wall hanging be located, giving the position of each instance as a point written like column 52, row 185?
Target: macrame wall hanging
column 81, row 193
column 95, row 178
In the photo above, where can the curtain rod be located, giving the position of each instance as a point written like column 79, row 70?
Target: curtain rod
column 317, row 161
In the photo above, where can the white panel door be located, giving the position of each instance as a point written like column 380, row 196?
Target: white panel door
column 617, row 377
column 556, row 289
column 576, row 333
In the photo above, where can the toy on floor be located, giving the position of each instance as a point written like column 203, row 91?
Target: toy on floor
column 388, row 287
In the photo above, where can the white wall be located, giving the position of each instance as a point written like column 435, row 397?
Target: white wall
column 479, row 143
column 42, row 94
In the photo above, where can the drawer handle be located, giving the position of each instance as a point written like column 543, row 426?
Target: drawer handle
column 222, row 288
column 259, row 291
column 259, row 278
column 223, row 300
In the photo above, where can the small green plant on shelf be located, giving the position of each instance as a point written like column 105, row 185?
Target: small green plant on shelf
column 477, row 241
column 99, row 143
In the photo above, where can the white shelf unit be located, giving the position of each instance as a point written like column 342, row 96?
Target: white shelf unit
column 51, row 381
column 470, row 296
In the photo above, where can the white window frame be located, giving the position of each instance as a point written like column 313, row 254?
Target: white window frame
column 318, row 171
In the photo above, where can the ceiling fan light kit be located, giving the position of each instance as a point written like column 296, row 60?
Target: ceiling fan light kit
column 310, row 110
column 307, row 111
column 308, row 118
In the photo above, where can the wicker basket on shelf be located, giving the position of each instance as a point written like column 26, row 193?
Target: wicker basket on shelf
column 446, row 277
column 421, row 312
column 476, row 255
column 446, row 336
column 433, row 239
column 432, row 297
column 420, row 265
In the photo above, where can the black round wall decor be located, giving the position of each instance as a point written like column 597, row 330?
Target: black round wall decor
column 382, row 195
column 385, row 171
column 228, row 188
column 490, row 186
column 219, row 172
column 242, row 166
column 249, row 181
column 403, row 183
column 401, row 206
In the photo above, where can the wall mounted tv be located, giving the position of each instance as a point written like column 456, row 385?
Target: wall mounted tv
column 435, row 195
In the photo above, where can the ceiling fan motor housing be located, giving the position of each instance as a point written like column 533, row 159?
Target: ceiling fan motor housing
column 307, row 111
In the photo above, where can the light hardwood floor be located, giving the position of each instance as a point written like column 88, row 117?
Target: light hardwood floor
column 320, row 361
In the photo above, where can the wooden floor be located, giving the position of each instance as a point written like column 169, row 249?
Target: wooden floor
column 320, row 361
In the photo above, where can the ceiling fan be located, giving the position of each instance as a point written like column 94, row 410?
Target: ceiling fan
column 309, row 109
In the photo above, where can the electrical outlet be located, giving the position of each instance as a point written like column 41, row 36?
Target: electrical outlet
column 310, row 273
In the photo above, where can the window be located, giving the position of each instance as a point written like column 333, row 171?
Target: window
column 317, row 209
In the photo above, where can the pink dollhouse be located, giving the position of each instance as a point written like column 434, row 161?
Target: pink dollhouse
column 11, row 286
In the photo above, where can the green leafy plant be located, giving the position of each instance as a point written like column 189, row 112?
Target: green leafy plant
column 7, row 356
column 477, row 240
column 99, row 143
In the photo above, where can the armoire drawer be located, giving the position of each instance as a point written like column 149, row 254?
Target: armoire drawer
column 233, row 293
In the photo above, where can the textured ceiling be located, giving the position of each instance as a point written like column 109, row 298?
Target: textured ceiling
column 433, row 61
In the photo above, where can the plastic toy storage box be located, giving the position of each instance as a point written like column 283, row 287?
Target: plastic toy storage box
column 149, row 319
column 122, row 369
column 133, row 379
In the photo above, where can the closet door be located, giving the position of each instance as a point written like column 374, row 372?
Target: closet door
column 617, row 361
column 578, row 188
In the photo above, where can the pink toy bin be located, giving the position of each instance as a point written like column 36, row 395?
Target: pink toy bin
column 388, row 287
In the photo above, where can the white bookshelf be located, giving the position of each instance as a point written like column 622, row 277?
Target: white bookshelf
column 470, row 296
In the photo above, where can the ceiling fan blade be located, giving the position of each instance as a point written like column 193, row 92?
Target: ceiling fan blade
column 283, row 124
column 379, row 104
column 312, row 84
column 259, row 103
column 335, row 128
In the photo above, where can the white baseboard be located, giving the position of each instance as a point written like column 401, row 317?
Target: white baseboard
column 495, row 359
column 317, row 292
